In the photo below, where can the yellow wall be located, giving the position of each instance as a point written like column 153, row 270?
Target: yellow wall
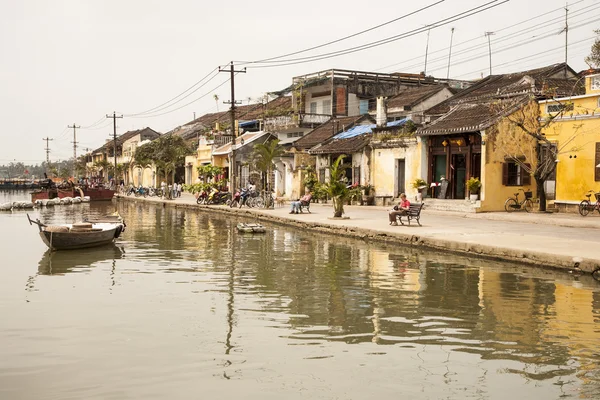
column 383, row 169
column 505, row 140
column 576, row 134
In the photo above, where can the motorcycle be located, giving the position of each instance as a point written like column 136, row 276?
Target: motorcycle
column 235, row 201
column 131, row 190
column 202, row 197
column 218, row 197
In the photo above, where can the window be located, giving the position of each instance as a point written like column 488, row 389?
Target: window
column 327, row 107
column 322, row 175
column 556, row 108
column 313, row 107
column 513, row 174
column 595, row 83
column 597, row 163
column 295, row 134
column 356, row 177
column 245, row 175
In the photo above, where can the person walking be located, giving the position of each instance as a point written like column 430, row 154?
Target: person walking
column 400, row 209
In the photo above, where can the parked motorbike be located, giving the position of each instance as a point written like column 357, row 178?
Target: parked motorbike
column 218, row 197
column 202, row 197
column 235, row 201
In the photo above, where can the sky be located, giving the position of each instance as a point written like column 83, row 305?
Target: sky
column 66, row 62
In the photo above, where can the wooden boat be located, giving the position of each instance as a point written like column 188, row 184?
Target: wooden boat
column 94, row 194
column 78, row 236
column 251, row 228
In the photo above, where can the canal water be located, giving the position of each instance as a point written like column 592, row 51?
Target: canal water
column 184, row 307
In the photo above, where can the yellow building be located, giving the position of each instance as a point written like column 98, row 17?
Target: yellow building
column 576, row 133
column 477, row 134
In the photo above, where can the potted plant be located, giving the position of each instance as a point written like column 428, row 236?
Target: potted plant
column 473, row 185
column 419, row 185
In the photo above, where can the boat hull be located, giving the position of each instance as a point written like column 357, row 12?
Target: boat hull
column 80, row 240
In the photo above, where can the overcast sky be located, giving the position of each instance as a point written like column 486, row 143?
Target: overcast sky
column 74, row 61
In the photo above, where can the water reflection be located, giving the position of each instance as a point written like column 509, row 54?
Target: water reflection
column 63, row 262
column 205, row 304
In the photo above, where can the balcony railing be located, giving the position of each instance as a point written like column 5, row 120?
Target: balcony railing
column 221, row 140
column 316, row 119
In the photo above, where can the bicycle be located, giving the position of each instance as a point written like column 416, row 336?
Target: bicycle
column 512, row 203
column 586, row 206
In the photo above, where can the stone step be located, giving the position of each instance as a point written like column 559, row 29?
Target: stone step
column 464, row 206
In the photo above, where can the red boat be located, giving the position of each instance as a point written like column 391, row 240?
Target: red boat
column 95, row 194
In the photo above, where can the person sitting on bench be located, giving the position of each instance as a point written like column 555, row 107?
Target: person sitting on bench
column 304, row 200
column 401, row 209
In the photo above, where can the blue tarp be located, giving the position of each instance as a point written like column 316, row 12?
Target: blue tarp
column 246, row 123
column 362, row 129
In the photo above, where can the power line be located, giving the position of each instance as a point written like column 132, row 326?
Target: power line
column 185, row 105
column 343, row 38
column 158, row 108
column 442, row 22
column 478, row 37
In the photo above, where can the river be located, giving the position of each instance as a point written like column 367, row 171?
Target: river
column 184, row 307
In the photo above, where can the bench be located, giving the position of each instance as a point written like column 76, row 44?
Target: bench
column 304, row 205
column 414, row 212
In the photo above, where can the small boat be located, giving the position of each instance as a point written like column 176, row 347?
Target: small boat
column 251, row 228
column 79, row 235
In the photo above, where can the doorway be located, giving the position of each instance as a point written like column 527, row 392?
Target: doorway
column 459, row 176
column 401, row 176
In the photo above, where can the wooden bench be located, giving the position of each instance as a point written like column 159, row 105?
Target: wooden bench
column 304, row 205
column 414, row 212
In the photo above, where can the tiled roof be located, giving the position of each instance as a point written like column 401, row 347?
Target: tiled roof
column 344, row 146
column 471, row 117
column 328, row 130
column 243, row 113
column 125, row 136
column 413, row 96
column 533, row 81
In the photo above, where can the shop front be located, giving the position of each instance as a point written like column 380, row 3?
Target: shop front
column 452, row 160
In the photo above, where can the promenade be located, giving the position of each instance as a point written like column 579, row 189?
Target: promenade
column 566, row 241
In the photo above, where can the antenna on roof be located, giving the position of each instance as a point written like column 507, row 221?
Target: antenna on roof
column 488, row 35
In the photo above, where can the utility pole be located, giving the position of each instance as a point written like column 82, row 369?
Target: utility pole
column 427, row 51
column 489, row 35
column 47, row 139
column 450, row 53
column 114, row 118
column 75, row 127
column 232, row 164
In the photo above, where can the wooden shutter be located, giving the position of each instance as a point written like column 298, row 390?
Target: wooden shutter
column 596, row 163
column 505, row 174
column 525, row 175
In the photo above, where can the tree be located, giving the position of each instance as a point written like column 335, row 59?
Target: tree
column 263, row 158
column 216, row 97
column 337, row 187
column 103, row 165
column 593, row 60
column 166, row 153
column 523, row 140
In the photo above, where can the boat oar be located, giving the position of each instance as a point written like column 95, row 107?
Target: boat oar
column 37, row 222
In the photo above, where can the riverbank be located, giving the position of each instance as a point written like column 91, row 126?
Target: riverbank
column 544, row 240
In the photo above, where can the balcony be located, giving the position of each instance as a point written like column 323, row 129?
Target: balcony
column 316, row 119
column 284, row 122
column 221, row 140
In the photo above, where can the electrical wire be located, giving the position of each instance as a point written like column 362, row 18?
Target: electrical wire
column 343, row 38
column 520, row 43
column 476, row 38
column 513, row 46
column 445, row 21
column 164, row 105
column 187, row 104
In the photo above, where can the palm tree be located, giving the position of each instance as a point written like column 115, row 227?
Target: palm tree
column 264, row 156
column 336, row 187
column 216, row 97
column 104, row 165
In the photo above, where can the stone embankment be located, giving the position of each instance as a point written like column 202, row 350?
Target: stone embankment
column 544, row 240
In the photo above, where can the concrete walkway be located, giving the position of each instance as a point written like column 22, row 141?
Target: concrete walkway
column 550, row 240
